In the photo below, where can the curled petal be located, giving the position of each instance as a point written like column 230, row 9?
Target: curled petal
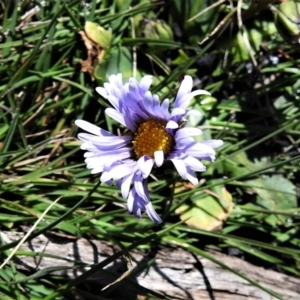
column 191, row 176
column 145, row 165
column 185, row 88
column 125, row 186
column 185, row 100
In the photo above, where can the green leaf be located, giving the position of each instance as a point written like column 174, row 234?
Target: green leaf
column 120, row 61
column 207, row 212
column 275, row 193
column 98, row 34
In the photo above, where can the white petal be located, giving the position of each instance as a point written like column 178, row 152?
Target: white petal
column 117, row 172
column 172, row 125
column 185, row 88
column 193, row 112
column 102, row 158
column 105, row 143
column 145, row 165
column 119, row 81
column 88, row 146
column 96, row 170
column 130, row 202
column 102, row 92
column 159, row 157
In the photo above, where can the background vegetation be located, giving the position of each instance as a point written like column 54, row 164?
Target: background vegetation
column 54, row 53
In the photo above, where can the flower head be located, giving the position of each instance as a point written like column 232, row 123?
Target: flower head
column 156, row 135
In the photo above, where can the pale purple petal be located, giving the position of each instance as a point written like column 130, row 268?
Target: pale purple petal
column 190, row 175
column 152, row 213
column 187, row 131
column 148, row 103
column 92, row 128
column 200, row 150
column 117, row 172
column 114, row 101
column 145, row 84
column 113, row 139
column 213, row 143
column 180, row 167
column 177, row 111
column 115, row 115
column 182, row 142
column 194, row 164
column 156, row 108
column 165, row 108
column 135, row 204
column 134, row 89
column 125, row 186
column 139, row 188
column 185, row 100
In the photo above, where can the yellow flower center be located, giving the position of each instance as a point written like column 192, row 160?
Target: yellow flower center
column 151, row 136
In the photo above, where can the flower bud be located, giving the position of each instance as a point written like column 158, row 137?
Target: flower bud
column 157, row 30
column 287, row 20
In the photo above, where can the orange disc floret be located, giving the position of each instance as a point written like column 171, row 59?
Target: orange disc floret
column 152, row 136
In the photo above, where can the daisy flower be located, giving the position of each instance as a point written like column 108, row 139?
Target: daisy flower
column 155, row 135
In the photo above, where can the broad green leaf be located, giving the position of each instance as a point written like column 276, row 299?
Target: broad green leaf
column 275, row 193
column 209, row 211
column 121, row 62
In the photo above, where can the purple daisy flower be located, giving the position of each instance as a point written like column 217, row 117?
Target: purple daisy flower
column 156, row 135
